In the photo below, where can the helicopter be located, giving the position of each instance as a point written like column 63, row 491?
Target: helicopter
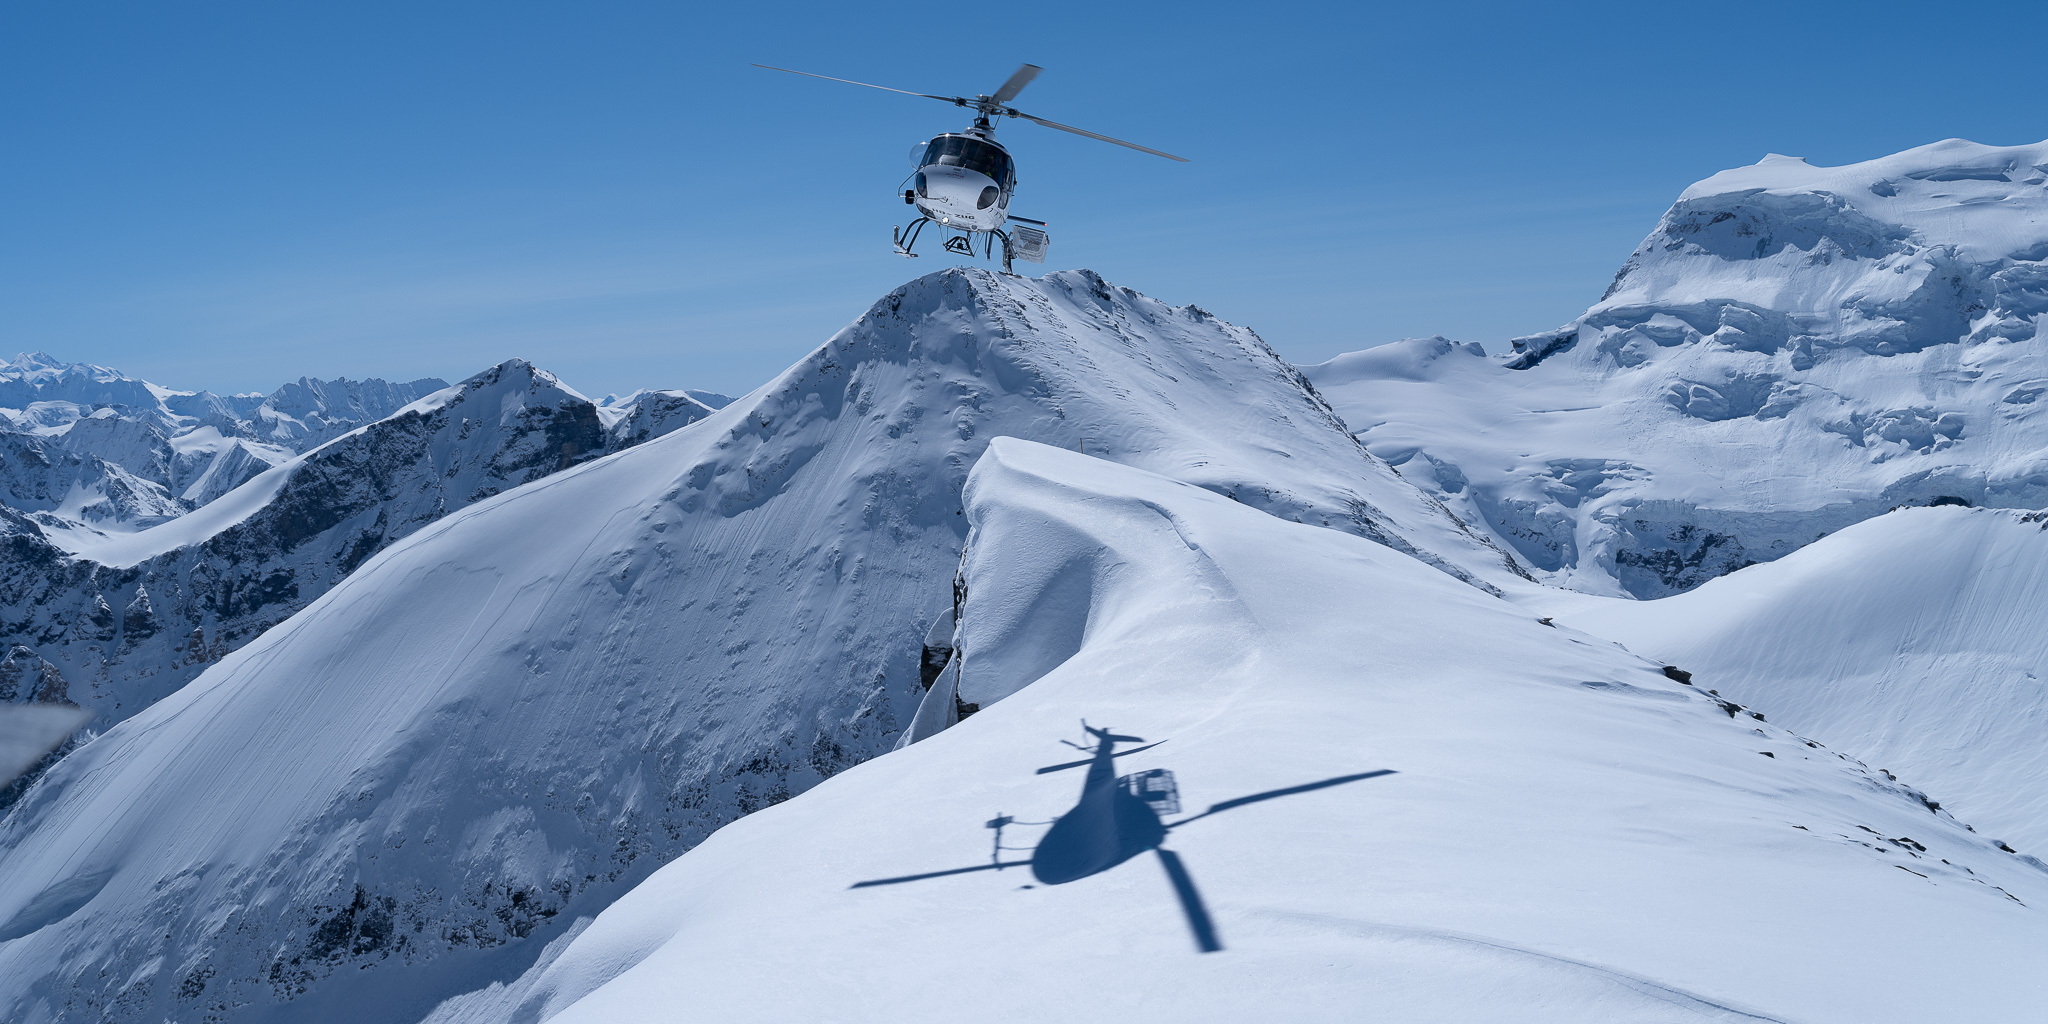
column 1115, row 819
column 964, row 180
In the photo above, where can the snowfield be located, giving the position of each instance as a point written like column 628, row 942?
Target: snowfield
column 1916, row 639
column 1556, row 831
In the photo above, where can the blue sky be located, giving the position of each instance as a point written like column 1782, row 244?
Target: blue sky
column 231, row 195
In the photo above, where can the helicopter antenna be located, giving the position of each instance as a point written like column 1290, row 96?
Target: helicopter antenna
column 995, row 106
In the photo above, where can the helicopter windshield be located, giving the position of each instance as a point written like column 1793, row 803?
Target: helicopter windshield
column 974, row 155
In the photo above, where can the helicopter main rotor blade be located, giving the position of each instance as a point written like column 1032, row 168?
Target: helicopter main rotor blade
column 955, row 100
column 1306, row 787
column 1025, row 73
column 1083, row 764
column 1092, row 135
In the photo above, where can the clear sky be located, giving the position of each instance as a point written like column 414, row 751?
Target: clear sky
column 232, row 195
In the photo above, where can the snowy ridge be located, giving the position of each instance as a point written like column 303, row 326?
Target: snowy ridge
column 1792, row 350
column 1913, row 639
column 505, row 720
column 1534, row 827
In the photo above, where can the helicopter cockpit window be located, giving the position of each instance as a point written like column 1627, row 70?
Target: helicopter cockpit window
column 973, row 154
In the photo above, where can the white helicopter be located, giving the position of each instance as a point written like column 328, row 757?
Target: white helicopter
column 964, row 180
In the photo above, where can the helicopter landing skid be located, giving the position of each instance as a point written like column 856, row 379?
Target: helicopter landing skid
column 905, row 240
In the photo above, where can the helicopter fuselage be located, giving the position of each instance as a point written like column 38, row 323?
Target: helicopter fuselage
column 1107, row 826
column 964, row 180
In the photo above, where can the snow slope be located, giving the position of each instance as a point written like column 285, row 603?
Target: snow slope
column 1914, row 640
column 1551, row 830
column 1791, row 350
column 511, row 716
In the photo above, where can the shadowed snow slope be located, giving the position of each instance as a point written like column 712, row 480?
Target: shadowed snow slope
column 1793, row 349
column 1914, row 640
column 1552, row 830
column 503, row 721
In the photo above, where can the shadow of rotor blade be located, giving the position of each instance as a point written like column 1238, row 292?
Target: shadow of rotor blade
column 1190, row 901
column 1289, row 791
column 939, row 874
column 1089, row 761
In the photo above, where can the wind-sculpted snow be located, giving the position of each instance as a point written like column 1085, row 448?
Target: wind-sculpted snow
column 508, row 718
column 1399, row 799
column 1792, row 350
column 130, row 617
column 1915, row 639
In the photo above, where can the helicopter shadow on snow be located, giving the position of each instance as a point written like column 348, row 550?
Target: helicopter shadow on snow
column 1115, row 819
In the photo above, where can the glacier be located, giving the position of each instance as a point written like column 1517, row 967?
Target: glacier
column 1793, row 349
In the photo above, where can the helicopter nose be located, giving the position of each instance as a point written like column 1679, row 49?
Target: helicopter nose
column 954, row 190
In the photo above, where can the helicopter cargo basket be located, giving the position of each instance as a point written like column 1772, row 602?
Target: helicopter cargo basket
column 1156, row 788
column 1028, row 243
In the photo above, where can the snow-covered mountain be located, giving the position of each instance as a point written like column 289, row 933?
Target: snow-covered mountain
column 1399, row 799
column 1793, row 349
column 511, row 716
column 646, row 415
column 1915, row 639
column 127, row 617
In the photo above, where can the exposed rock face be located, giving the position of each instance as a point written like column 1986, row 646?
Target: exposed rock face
column 28, row 679
column 61, row 486
column 1793, row 349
